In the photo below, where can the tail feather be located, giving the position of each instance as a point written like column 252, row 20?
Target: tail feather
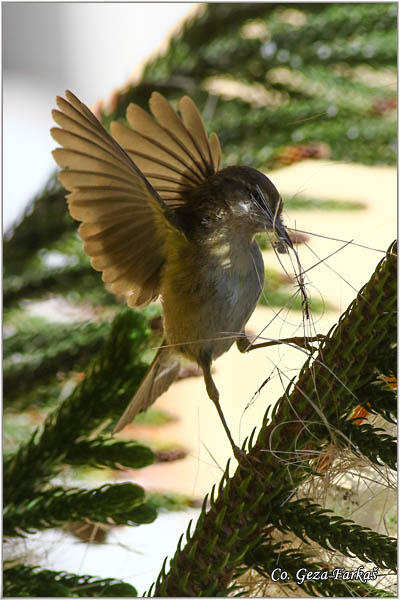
column 162, row 372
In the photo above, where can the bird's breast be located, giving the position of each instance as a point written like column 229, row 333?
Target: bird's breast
column 208, row 295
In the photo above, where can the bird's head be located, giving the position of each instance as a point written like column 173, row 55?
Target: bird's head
column 253, row 204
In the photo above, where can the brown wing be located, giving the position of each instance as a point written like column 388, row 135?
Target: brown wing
column 125, row 222
column 173, row 153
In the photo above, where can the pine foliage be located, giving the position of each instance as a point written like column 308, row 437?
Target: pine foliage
column 21, row 581
column 310, row 521
column 265, row 558
column 79, row 426
column 308, row 73
column 121, row 504
column 109, row 383
column 250, row 504
column 279, row 82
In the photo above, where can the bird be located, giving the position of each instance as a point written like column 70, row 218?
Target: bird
column 160, row 218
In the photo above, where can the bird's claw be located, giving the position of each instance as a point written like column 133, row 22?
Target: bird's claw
column 240, row 455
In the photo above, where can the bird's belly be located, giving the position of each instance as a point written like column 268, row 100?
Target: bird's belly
column 204, row 317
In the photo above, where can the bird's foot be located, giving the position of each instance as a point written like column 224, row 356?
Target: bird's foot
column 247, row 462
column 240, row 455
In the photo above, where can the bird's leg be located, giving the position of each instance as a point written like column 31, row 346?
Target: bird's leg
column 213, row 394
column 245, row 345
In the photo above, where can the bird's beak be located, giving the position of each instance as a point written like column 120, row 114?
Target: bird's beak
column 284, row 241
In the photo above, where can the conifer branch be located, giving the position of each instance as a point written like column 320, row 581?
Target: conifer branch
column 110, row 453
column 57, row 281
column 45, row 352
column 325, row 390
column 385, row 359
column 37, row 334
column 380, row 401
column 103, row 394
column 215, row 43
column 307, row 520
column 212, row 43
column 21, row 581
column 224, row 50
column 267, row 557
column 120, row 504
column 379, row 447
column 45, row 221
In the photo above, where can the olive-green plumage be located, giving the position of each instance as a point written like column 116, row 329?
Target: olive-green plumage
column 160, row 218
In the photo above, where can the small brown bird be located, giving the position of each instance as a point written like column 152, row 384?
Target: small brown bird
column 160, row 219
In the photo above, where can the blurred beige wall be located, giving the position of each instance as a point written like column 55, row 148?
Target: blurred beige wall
column 48, row 47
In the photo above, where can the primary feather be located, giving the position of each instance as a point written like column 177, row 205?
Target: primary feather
column 124, row 189
column 174, row 154
column 125, row 222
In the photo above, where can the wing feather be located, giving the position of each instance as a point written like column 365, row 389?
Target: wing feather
column 174, row 153
column 216, row 152
column 195, row 127
column 145, row 153
column 124, row 221
column 123, row 188
column 148, row 127
column 174, row 126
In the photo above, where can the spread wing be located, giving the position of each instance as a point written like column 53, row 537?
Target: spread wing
column 174, row 153
column 124, row 221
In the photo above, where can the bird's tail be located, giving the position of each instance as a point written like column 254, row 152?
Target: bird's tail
column 161, row 374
